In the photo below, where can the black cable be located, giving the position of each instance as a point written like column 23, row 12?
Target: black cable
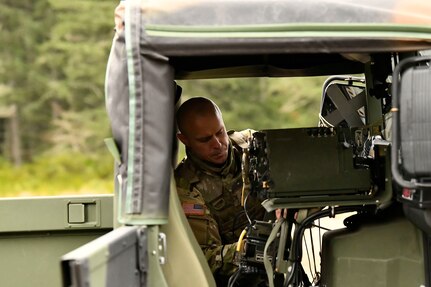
column 299, row 233
column 234, row 277
column 304, row 278
column 308, row 257
column 320, row 227
column 313, row 252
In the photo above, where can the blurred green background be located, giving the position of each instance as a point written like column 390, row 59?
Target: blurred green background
column 53, row 56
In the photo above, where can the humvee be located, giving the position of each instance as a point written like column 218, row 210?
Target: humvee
column 369, row 155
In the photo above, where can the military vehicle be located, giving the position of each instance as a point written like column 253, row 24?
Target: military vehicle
column 369, row 155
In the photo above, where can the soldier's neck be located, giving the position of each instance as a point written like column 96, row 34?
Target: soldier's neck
column 221, row 169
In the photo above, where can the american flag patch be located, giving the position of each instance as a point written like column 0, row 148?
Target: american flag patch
column 193, row 209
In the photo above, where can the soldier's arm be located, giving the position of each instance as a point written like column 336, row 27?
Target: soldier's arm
column 219, row 257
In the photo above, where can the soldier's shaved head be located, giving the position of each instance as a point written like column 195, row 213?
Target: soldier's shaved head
column 193, row 109
column 202, row 130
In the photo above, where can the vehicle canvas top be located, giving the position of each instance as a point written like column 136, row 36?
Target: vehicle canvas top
column 224, row 27
column 168, row 40
column 273, row 12
column 235, row 33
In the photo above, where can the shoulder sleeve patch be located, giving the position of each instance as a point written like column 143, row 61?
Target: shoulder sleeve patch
column 193, row 209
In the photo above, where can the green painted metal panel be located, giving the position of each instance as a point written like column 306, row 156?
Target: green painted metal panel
column 108, row 261
column 388, row 253
column 36, row 232
column 33, row 258
column 51, row 213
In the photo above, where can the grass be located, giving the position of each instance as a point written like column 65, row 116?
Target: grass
column 60, row 174
column 63, row 174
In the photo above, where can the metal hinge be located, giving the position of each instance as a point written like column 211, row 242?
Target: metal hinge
column 162, row 248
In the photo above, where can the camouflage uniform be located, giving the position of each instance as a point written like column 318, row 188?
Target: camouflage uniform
column 211, row 200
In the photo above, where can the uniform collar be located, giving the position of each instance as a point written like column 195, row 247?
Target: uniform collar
column 227, row 168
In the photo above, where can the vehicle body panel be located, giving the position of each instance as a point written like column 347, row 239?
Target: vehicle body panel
column 36, row 231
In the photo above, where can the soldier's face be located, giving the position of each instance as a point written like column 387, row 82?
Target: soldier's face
column 207, row 138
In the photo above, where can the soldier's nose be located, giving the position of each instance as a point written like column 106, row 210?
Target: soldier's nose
column 216, row 143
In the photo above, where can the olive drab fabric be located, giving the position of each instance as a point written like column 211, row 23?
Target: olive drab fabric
column 140, row 95
column 211, row 200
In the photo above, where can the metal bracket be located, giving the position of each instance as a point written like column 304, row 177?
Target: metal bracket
column 156, row 256
column 162, row 248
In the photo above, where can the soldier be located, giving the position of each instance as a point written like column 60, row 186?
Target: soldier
column 210, row 183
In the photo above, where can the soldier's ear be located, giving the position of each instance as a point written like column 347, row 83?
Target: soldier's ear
column 182, row 138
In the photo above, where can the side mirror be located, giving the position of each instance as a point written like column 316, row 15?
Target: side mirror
column 343, row 102
column 411, row 128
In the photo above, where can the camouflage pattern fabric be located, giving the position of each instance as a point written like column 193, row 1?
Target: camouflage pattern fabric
column 211, row 200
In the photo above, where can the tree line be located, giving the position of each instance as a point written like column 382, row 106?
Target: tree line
column 52, row 66
column 52, row 61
